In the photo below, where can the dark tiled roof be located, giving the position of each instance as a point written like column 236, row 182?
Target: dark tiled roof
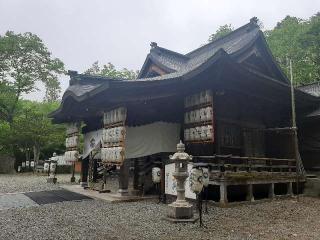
column 81, row 89
column 231, row 44
column 176, row 64
column 167, row 58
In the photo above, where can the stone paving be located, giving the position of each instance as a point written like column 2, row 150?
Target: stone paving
column 16, row 200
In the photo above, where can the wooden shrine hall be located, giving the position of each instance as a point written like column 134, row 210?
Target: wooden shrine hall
column 228, row 101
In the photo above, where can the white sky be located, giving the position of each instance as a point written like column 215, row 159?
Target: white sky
column 80, row 32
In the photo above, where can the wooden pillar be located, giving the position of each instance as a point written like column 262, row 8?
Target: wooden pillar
column 124, row 178
column 271, row 191
column 223, row 194
column 84, row 172
column 289, row 189
column 250, row 196
column 136, row 174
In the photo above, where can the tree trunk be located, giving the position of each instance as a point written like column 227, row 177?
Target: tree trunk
column 36, row 153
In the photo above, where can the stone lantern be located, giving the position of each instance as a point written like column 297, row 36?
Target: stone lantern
column 180, row 210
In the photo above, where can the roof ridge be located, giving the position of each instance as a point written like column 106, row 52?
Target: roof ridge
column 168, row 50
column 252, row 24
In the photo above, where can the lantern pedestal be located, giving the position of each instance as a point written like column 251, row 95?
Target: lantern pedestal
column 52, row 180
column 180, row 212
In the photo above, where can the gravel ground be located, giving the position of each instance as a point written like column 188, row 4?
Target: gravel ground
column 96, row 219
column 28, row 182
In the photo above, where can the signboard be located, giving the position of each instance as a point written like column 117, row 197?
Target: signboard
column 32, row 164
column 27, row 163
column 171, row 184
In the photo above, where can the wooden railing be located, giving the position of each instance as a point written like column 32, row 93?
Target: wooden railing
column 232, row 163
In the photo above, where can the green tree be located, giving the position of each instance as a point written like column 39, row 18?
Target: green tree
column 222, row 31
column 109, row 70
column 24, row 61
column 32, row 129
column 310, row 41
column 297, row 39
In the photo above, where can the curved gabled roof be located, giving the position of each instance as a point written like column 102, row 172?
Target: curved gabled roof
column 171, row 61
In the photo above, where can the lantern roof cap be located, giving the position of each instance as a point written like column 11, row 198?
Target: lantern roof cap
column 180, row 154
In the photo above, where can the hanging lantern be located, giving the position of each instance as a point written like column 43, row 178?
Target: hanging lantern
column 205, row 177
column 53, row 167
column 46, row 167
column 196, row 180
column 156, row 175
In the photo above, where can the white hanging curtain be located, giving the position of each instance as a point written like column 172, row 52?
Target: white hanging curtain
column 152, row 138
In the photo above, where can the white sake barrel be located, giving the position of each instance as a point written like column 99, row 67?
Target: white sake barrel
column 105, row 135
column 204, row 133
column 117, row 134
column 197, row 135
column 72, row 128
column 203, row 114
column 197, row 117
column 209, row 132
column 104, row 154
column 209, row 113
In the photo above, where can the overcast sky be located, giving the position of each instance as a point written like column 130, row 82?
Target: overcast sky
column 80, row 32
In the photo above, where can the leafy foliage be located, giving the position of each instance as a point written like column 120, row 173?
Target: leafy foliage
column 109, row 70
column 297, row 39
column 221, row 32
column 32, row 129
column 24, row 61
